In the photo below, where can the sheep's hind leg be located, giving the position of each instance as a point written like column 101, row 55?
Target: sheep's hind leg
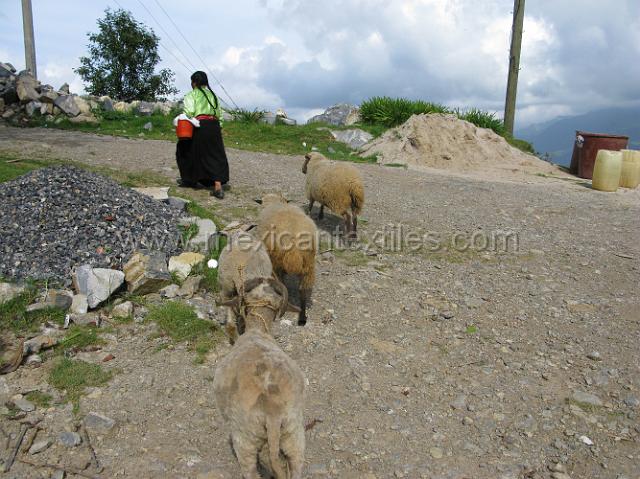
column 311, row 203
column 293, row 446
column 348, row 225
column 304, row 297
column 321, row 213
column 247, row 456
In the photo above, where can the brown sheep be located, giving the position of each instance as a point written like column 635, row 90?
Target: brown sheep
column 259, row 390
column 290, row 237
column 335, row 185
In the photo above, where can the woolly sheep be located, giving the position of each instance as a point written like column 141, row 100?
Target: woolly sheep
column 242, row 259
column 335, row 185
column 291, row 240
column 259, row 390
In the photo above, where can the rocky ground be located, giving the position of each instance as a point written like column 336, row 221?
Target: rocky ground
column 446, row 364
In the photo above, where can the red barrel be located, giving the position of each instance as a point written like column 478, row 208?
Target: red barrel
column 184, row 130
column 586, row 147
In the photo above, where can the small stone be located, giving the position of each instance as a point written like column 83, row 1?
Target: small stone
column 124, row 310
column 459, row 403
column 79, row 304
column 467, row 421
column 560, row 475
column 98, row 284
column 191, row 286
column 146, row 272
column 586, row 398
column 33, row 360
column 58, row 475
column 447, row 314
column 632, row 401
column 99, row 423
column 108, row 357
column 594, row 355
column 69, row 439
column 40, row 446
column 35, row 345
column 170, row 291
column 157, row 193
column 23, row 404
column 178, row 203
column 148, row 126
column 183, row 264
column 586, row 440
column 9, row 291
column 436, row 453
column 558, row 467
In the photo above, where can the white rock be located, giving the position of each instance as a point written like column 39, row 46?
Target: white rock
column 586, row 440
column 156, row 192
column 9, row 291
column 79, row 305
column 124, row 310
column 183, row 264
column 98, row 284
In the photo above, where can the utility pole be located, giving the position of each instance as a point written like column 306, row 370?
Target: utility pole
column 29, row 41
column 514, row 65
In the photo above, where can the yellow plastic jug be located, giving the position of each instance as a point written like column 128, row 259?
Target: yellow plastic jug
column 607, row 170
column 630, row 175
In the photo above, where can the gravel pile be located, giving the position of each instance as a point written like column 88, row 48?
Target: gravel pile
column 54, row 219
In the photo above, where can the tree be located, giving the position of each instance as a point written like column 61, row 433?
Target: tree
column 122, row 60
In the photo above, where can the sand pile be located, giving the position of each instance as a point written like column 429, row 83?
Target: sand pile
column 447, row 143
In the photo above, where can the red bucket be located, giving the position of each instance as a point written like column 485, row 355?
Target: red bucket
column 586, row 149
column 184, row 130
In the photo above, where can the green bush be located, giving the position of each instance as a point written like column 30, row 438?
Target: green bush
column 248, row 116
column 392, row 112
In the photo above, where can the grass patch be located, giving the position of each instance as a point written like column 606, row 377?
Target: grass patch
column 189, row 231
column 471, row 329
column 180, row 323
column 352, row 258
column 14, row 315
column 73, row 376
column 210, row 275
column 40, row 399
column 11, row 167
column 79, row 337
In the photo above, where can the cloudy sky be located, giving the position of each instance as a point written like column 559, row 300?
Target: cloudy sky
column 304, row 55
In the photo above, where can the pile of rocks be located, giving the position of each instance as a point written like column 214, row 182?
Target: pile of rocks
column 341, row 114
column 23, row 97
column 55, row 219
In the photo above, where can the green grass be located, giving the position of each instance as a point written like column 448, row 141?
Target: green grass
column 210, row 275
column 248, row 116
column 79, row 337
column 471, row 329
column 179, row 322
column 14, row 315
column 73, row 376
column 40, row 399
column 11, row 169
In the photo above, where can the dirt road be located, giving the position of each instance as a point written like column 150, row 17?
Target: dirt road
column 421, row 363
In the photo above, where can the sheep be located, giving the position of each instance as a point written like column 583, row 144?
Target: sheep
column 259, row 390
column 290, row 237
column 242, row 259
column 335, row 185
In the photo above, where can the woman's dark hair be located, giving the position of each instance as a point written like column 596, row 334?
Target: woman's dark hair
column 200, row 79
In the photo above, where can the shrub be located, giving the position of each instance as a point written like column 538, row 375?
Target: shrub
column 392, row 112
column 248, row 116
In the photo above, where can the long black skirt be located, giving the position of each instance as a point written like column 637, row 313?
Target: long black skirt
column 202, row 159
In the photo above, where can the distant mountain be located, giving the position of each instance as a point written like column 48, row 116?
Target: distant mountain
column 556, row 137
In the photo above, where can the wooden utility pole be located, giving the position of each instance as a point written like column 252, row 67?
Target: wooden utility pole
column 514, row 65
column 29, row 41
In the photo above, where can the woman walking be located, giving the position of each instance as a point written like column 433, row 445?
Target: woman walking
column 202, row 159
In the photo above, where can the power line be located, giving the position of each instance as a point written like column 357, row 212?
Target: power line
column 195, row 51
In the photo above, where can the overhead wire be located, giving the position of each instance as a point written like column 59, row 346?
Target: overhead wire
column 187, row 69
column 196, row 53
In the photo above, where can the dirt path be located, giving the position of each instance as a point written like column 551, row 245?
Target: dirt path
column 421, row 364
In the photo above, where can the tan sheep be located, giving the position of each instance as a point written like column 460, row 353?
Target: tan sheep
column 242, row 259
column 337, row 186
column 291, row 240
column 259, row 390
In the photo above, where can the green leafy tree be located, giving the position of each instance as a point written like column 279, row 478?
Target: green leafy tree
column 122, row 59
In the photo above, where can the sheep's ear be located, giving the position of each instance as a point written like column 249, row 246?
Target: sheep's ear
column 292, row 308
column 231, row 303
column 258, row 200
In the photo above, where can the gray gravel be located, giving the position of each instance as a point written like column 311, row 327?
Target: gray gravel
column 57, row 218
